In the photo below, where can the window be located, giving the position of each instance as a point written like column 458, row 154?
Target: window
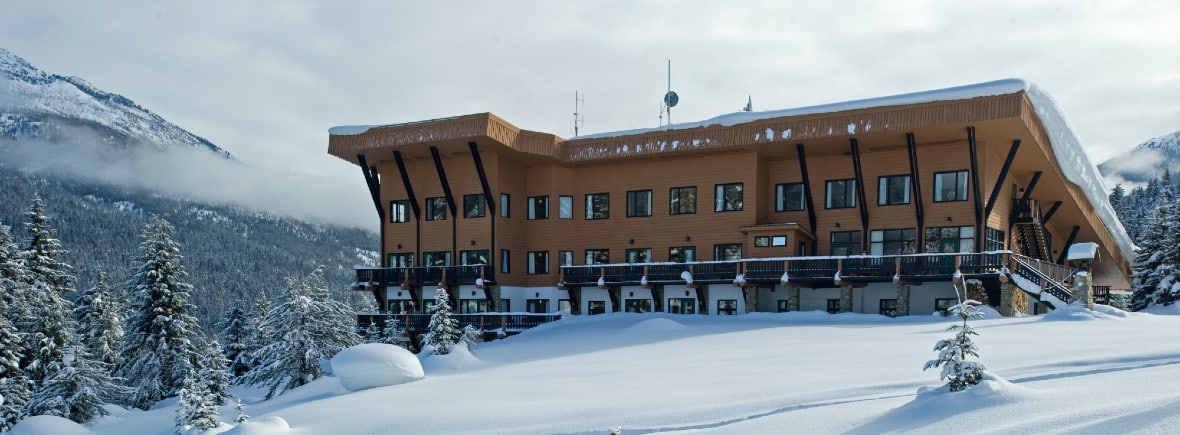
column 727, row 251
column 833, row 306
column 401, row 259
column 565, row 258
column 637, row 305
column 538, row 262
column 639, row 203
column 595, row 307
column 401, row 306
column 474, row 206
column 471, row 306
column 597, row 256
column 536, row 305
column 943, row 305
column 563, row 305
column 505, row 305
column 764, row 241
column 788, row 197
column 993, row 240
column 597, row 206
column 638, row 255
column 505, row 256
column 436, row 258
column 893, row 190
column 887, row 307
column 840, row 194
column 399, row 211
column 682, row 305
column 436, row 209
column 950, row 186
column 782, row 306
column 565, row 207
column 728, row 197
column 682, row 254
column 845, row 243
column 949, row 240
column 892, row 242
column 538, row 207
column 505, row 201
column 727, row 307
column 683, row 200
column 474, row 257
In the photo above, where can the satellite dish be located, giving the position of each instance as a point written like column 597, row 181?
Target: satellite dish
column 670, row 99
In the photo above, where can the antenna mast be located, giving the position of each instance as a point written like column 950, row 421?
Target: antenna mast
column 670, row 98
column 579, row 103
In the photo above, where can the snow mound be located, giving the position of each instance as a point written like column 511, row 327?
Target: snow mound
column 1077, row 311
column 936, row 404
column 261, row 426
column 1162, row 310
column 48, row 424
column 459, row 358
column 659, row 324
column 373, row 365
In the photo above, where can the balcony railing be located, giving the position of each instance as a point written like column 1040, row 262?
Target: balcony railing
column 1026, row 211
column 368, row 278
column 509, row 323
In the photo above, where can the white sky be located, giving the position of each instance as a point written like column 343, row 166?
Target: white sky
column 265, row 80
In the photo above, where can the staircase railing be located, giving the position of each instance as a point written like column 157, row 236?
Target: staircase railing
column 1052, row 278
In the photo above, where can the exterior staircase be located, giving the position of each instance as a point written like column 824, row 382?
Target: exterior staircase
column 1031, row 236
column 1048, row 282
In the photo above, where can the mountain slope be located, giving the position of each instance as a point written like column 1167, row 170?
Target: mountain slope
column 1146, row 161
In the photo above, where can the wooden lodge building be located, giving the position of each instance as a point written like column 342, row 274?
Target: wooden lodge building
column 870, row 206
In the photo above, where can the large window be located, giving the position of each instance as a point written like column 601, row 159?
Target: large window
column 538, row 207
column 682, row 305
column 682, row 254
column 943, row 305
column 401, row 259
column 474, row 257
column 505, row 201
column 597, row 206
column 950, row 186
column 892, row 242
column 472, row 306
column 638, row 203
column 565, row 258
column 893, row 190
column 565, row 207
column 505, row 261
column 840, row 194
column 727, row 197
column 538, row 262
column 597, row 256
column 788, row 197
column 887, row 307
column 727, row 307
column 436, row 209
column 474, row 206
column 536, row 305
column 949, row 240
column 683, row 200
column 436, row 258
column 766, row 241
column 637, row 305
column 638, row 255
column 993, row 240
column 727, row 251
column 595, row 307
column 833, row 306
column 399, row 211
column 845, row 243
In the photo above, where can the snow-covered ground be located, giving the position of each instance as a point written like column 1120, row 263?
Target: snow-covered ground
column 810, row 372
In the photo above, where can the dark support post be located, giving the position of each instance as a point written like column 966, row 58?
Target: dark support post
column 973, row 152
column 401, row 169
column 1049, row 214
column 1073, row 234
column 991, row 200
column 807, row 194
column 860, row 193
column 442, row 178
column 916, row 188
column 373, row 181
column 1032, row 184
column 491, row 206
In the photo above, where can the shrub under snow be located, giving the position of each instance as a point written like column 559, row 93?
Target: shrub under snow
column 372, row 365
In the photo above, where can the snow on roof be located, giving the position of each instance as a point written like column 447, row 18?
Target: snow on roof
column 349, row 130
column 1082, row 251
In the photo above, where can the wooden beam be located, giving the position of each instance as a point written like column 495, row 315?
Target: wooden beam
column 973, row 152
column 1073, row 234
column 373, row 181
column 860, row 193
column 487, row 196
column 999, row 186
column 1032, row 184
column 807, row 195
column 916, row 188
column 1049, row 214
column 401, row 168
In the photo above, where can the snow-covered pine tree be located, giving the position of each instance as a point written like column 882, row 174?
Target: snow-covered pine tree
column 49, row 329
column 15, row 388
column 160, row 338
column 195, row 410
column 77, row 387
column 952, row 353
column 1157, row 263
column 214, row 372
column 470, row 337
column 236, row 332
column 307, row 327
column 98, row 315
column 242, row 417
column 443, row 331
column 393, row 334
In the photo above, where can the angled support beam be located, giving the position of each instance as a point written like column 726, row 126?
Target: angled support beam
column 401, row 169
column 1032, row 184
column 487, row 196
column 991, row 200
column 374, row 182
column 973, row 152
column 916, row 188
column 807, row 195
column 442, row 178
column 1073, row 234
column 1049, row 214
column 860, row 192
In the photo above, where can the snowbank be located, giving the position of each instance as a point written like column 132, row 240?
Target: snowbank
column 458, row 359
column 261, row 426
column 48, row 424
column 373, row 365
column 1077, row 311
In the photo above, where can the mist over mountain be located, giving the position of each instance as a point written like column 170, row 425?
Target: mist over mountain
column 1144, row 162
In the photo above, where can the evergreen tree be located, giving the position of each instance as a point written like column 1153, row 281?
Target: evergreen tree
column 443, row 329
column 98, row 316
column 15, row 388
column 393, row 334
column 49, row 329
column 952, row 354
column 76, row 388
column 470, row 337
column 307, row 327
column 242, row 417
column 195, row 409
column 237, row 335
column 214, row 372
column 1156, row 274
column 160, row 338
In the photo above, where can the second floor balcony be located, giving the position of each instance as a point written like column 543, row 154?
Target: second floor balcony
column 368, row 278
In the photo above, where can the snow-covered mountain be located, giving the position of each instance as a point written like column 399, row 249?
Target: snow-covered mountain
column 38, row 104
column 1145, row 161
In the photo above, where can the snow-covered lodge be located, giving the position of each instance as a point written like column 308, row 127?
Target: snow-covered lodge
column 869, row 206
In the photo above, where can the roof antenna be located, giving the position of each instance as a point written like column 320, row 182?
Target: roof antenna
column 670, row 98
column 749, row 104
column 579, row 103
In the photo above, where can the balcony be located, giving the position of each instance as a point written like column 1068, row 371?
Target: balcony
column 1026, row 211
column 490, row 323
column 369, row 278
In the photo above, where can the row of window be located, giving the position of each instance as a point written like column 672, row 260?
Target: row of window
column 892, row 190
column 904, row 241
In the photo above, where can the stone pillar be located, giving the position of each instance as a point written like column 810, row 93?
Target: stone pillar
column 903, row 299
column 846, row 298
column 792, row 298
column 493, row 295
column 1007, row 299
column 751, row 295
column 1083, row 289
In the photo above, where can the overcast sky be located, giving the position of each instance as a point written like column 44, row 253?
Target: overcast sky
column 265, row 80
